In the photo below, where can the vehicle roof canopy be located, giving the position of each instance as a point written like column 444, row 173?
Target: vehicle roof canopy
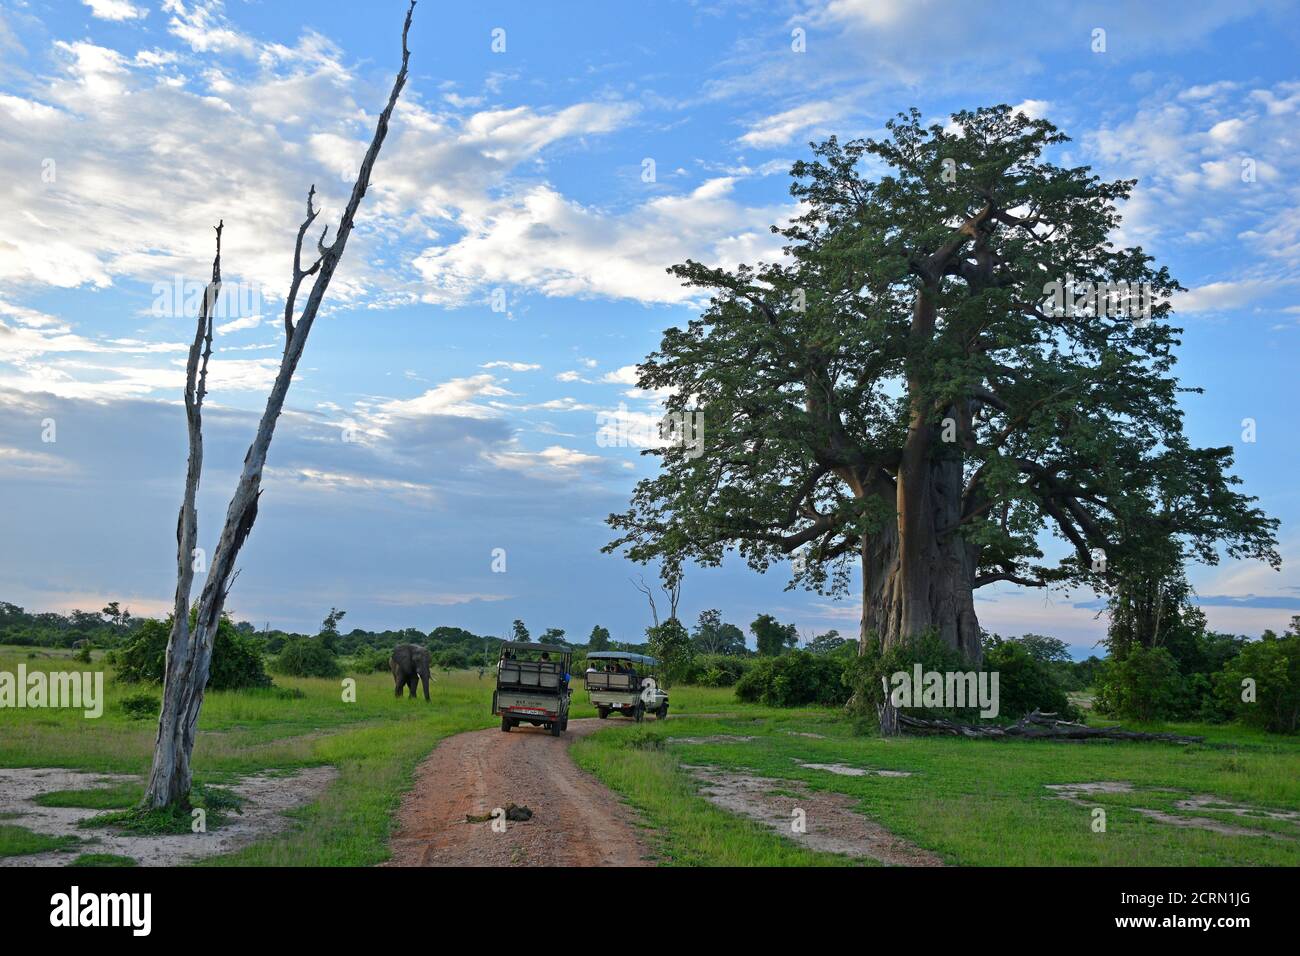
column 622, row 656
column 530, row 646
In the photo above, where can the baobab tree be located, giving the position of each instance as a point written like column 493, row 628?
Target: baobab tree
column 950, row 358
column 189, row 647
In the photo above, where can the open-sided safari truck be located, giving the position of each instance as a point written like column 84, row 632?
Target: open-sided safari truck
column 533, row 686
column 625, row 682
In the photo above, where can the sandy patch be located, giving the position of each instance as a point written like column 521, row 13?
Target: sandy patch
column 711, row 739
column 832, row 823
column 844, row 770
column 1077, row 792
column 266, row 797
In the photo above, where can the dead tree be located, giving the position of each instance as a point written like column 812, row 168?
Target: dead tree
column 189, row 650
column 181, row 645
column 649, row 593
column 671, row 577
column 1034, row 726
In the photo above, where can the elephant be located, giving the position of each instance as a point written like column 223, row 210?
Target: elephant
column 409, row 664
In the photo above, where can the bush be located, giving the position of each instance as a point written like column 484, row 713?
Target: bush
column 1273, row 663
column 451, row 659
column 717, row 670
column 307, row 657
column 672, row 646
column 1075, row 675
column 867, row 675
column 370, row 659
column 236, row 658
column 794, row 679
column 236, row 661
column 1144, row 685
column 140, row 706
column 1025, row 683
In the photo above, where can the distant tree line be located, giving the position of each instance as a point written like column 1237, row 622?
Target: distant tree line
column 1180, row 670
column 108, row 627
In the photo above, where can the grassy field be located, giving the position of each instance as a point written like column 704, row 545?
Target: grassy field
column 374, row 743
column 972, row 802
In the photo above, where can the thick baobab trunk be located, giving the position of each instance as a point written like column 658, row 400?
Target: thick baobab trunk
column 189, row 655
column 919, row 574
column 921, row 577
column 933, row 589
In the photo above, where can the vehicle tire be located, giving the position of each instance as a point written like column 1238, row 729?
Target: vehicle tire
column 506, row 724
column 554, row 728
column 602, row 712
column 663, row 712
column 639, row 713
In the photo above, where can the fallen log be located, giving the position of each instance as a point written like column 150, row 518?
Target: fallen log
column 1032, row 726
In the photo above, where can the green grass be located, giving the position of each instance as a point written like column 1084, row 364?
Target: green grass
column 118, row 796
column 19, row 841
column 102, row 859
column 974, row 802
column 686, row 829
column 216, row 802
column 374, row 744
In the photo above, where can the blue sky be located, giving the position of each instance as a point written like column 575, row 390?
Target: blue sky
column 426, row 427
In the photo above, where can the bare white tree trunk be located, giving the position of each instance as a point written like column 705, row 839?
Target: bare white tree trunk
column 171, row 761
column 189, row 655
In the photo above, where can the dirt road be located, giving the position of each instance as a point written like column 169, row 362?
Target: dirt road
column 575, row 822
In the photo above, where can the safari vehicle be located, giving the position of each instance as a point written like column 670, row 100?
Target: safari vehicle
column 625, row 682
column 533, row 686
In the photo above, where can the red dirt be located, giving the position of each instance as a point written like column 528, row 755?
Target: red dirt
column 576, row 821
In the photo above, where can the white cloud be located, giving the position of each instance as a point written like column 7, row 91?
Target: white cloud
column 131, row 198
column 1218, row 296
column 19, row 462
column 1227, row 131
column 312, row 479
column 512, row 366
column 203, row 26
column 456, row 397
column 545, row 242
column 115, row 10
column 437, row 599
column 565, row 404
column 254, row 137
column 555, row 462
column 238, row 325
column 625, row 375
column 1033, row 109
column 780, row 128
column 1209, row 163
column 974, row 34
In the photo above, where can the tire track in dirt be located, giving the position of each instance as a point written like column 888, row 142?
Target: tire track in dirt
column 576, row 821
